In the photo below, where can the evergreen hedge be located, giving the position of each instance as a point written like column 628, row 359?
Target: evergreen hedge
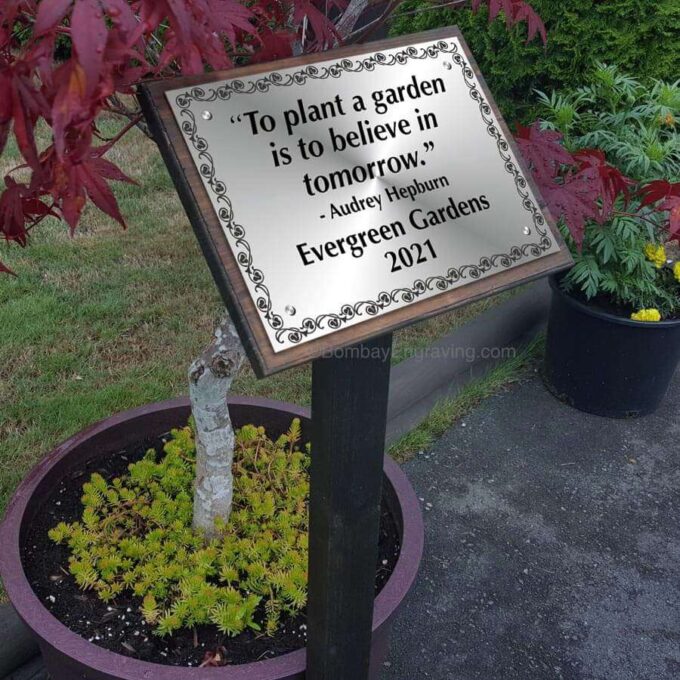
column 640, row 36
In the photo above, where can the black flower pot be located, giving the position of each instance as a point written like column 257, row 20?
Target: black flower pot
column 606, row 364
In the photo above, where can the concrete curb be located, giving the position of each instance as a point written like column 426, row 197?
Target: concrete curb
column 416, row 385
column 456, row 360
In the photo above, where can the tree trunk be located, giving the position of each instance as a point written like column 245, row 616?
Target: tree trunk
column 345, row 25
column 210, row 378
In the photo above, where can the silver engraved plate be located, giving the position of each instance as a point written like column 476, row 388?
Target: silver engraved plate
column 348, row 189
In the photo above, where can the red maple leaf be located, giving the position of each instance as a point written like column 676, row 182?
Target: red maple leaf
column 88, row 31
column 515, row 11
column 665, row 197
column 672, row 205
column 19, row 206
column 542, row 150
column 578, row 188
column 50, row 14
column 79, row 179
column 658, row 190
column 535, row 25
column 114, row 45
column 610, row 182
column 276, row 45
column 22, row 103
column 9, row 13
column 574, row 199
column 233, row 18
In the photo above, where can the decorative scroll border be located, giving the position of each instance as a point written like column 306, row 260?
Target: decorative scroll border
column 347, row 312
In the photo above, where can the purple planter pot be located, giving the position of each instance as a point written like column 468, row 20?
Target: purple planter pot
column 68, row 656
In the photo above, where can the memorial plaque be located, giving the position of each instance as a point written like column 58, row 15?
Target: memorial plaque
column 341, row 195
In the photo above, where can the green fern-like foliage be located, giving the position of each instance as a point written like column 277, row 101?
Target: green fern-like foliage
column 636, row 125
column 136, row 537
column 638, row 128
column 613, row 263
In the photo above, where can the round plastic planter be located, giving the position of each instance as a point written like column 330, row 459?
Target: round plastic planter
column 68, row 656
column 605, row 364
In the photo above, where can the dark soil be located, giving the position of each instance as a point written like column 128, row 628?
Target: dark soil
column 119, row 626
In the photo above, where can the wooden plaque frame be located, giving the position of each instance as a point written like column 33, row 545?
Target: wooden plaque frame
column 220, row 258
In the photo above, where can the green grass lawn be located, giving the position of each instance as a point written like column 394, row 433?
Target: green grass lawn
column 111, row 319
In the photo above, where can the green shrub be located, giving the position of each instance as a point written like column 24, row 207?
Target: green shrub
column 135, row 536
column 624, row 260
column 635, row 125
column 638, row 35
column 627, row 259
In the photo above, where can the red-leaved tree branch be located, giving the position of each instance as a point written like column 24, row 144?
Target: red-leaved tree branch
column 583, row 187
column 111, row 45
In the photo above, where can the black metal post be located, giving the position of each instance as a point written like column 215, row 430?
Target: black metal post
column 349, row 412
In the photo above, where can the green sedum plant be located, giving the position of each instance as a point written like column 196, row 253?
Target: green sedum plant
column 136, row 537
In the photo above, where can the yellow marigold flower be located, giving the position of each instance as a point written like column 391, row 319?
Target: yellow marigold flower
column 676, row 271
column 646, row 315
column 655, row 254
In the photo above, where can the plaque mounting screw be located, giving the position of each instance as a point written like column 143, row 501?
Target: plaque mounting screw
column 526, row 231
column 289, row 309
column 206, row 115
column 447, row 65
